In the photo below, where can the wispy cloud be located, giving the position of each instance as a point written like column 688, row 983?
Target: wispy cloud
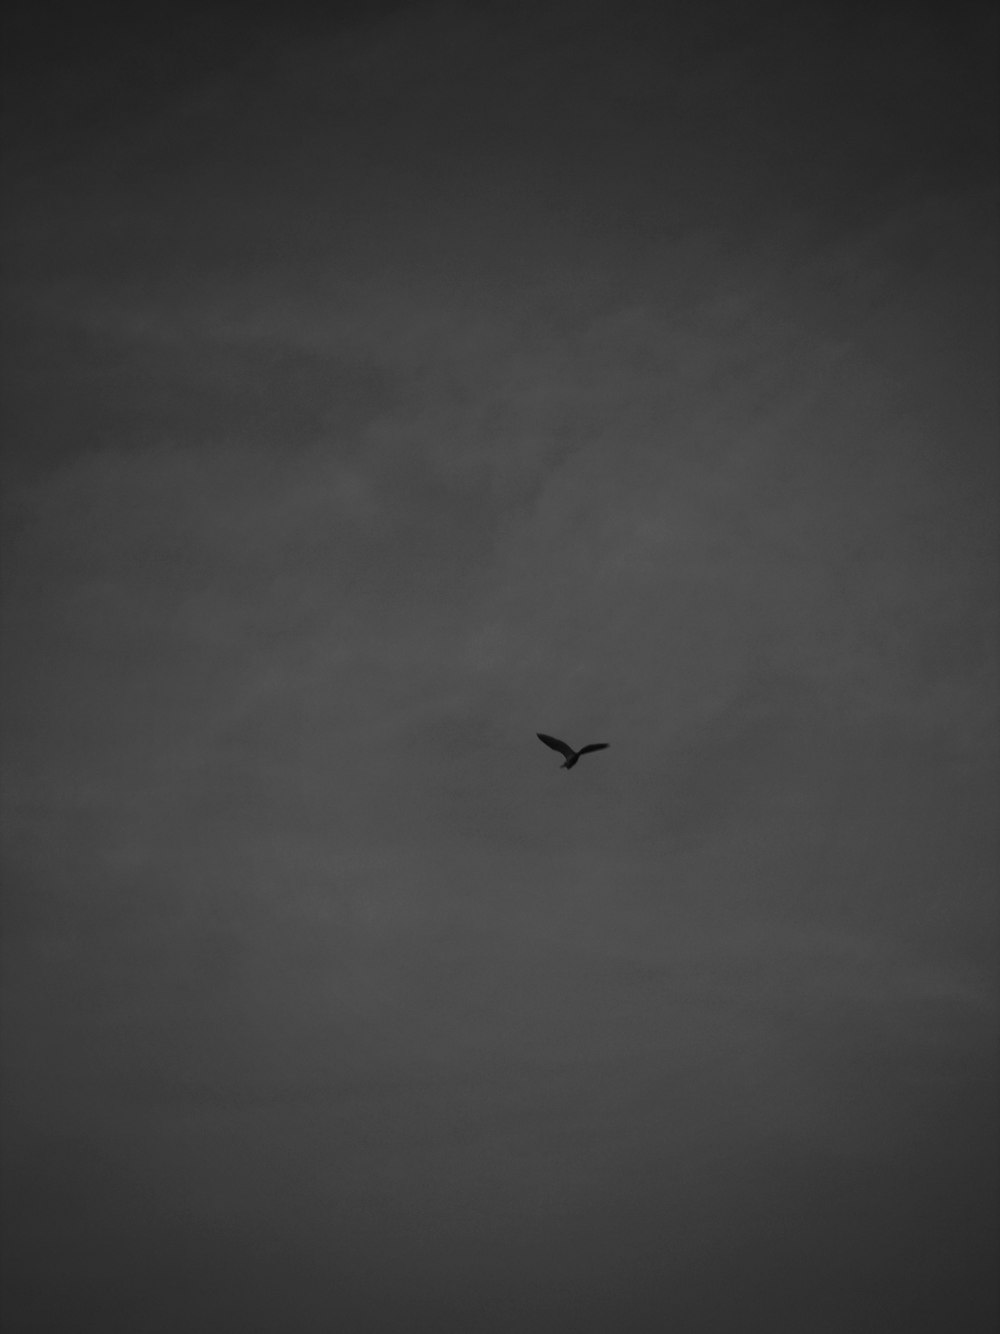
column 382, row 393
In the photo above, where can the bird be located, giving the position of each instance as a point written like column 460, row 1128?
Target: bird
column 571, row 755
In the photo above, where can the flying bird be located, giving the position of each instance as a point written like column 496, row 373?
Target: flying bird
column 571, row 755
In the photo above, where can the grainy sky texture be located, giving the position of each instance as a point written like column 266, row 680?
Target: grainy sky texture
column 381, row 387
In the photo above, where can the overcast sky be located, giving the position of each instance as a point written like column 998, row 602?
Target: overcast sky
column 379, row 391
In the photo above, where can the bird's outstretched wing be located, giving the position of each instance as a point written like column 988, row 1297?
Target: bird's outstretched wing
column 597, row 745
column 556, row 744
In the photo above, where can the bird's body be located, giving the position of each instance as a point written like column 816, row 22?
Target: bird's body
column 571, row 755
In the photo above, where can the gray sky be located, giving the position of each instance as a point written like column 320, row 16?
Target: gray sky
column 378, row 392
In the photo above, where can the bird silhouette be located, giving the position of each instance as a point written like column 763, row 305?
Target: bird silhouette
column 571, row 755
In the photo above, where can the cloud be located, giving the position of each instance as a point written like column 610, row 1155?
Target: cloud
column 355, row 440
